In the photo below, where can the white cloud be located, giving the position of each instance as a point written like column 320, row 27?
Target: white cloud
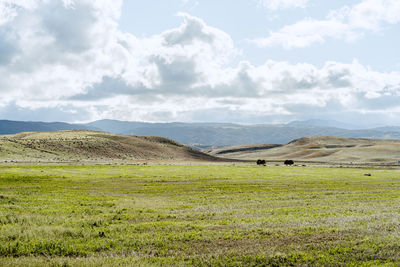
column 57, row 49
column 185, row 73
column 6, row 13
column 347, row 23
column 307, row 32
column 282, row 4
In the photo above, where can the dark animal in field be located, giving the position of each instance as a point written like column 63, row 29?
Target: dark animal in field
column 261, row 162
column 367, row 174
column 289, row 162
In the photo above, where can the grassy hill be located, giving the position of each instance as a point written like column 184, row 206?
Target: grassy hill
column 90, row 146
column 325, row 149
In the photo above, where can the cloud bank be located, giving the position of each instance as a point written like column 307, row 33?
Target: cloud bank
column 347, row 23
column 69, row 59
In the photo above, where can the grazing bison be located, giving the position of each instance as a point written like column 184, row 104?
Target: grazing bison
column 261, row 162
column 289, row 162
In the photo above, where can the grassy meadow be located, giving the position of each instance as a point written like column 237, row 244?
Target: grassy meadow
column 198, row 215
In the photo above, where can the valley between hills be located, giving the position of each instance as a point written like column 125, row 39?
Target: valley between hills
column 326, row 149
column 87, row 147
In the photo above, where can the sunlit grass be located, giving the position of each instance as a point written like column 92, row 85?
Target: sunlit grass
column 200, row 215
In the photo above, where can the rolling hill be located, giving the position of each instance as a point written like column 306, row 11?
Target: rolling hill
column 89, row 146
column 319, row 149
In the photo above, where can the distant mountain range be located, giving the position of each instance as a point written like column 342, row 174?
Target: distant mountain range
column 326, row 123
column 207, row 135
column 13, row 127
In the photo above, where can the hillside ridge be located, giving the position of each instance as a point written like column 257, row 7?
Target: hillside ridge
column 93, row 146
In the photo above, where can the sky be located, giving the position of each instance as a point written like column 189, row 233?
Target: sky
column 241, row 61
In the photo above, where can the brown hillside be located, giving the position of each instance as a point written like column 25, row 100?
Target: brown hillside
column 90, row 146
column 321, row 149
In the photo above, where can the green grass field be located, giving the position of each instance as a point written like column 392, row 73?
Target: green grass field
column 198, row 215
